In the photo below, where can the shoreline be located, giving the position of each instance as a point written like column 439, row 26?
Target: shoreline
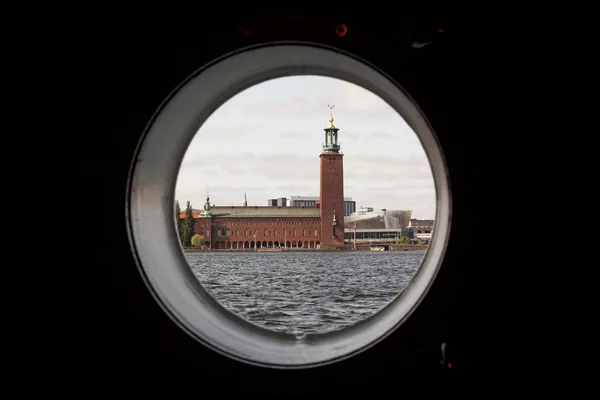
column 392, row 248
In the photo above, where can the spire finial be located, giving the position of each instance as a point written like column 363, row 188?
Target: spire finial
column 330, row 116
column 245, row 199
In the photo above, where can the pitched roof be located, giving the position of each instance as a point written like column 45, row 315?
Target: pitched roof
column 260, row 211
column 266, row 211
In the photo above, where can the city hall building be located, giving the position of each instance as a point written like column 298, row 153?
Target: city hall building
column 315, row 226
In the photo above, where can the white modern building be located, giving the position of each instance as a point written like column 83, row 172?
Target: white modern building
column 367, row 218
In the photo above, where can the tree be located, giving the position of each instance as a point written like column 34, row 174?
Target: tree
column 178, row 220
column 403, row 240
column 198, row 241
column 187, row 230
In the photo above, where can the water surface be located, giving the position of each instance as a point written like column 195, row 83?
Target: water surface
column 305, row 291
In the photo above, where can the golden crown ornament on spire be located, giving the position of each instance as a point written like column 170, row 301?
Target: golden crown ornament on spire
column 330, row 117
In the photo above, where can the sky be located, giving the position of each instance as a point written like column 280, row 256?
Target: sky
column 266, row 141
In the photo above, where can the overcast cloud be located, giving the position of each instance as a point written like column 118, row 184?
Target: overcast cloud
column 267, row 140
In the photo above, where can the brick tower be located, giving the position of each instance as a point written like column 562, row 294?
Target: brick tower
column 332, row 188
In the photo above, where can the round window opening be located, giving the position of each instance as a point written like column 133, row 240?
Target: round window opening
column 289, row 206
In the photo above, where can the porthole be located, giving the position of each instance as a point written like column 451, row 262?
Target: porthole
column 152, row 226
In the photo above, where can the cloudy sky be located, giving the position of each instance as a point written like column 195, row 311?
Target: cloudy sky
column 267, row 140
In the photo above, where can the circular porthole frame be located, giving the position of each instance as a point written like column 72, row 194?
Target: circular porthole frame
column 151, row 196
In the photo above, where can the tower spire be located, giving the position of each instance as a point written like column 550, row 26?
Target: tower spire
column 245, row 200
column 206, row 213
column 330, row 116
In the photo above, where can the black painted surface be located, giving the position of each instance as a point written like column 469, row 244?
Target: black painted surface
column 127, row 340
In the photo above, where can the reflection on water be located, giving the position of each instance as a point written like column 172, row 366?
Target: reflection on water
column 305, row 292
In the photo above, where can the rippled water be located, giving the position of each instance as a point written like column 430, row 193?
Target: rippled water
column 305, row 292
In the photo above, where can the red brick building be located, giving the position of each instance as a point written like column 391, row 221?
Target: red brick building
column 243, row 227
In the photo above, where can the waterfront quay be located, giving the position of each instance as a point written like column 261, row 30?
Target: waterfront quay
column 359, row 247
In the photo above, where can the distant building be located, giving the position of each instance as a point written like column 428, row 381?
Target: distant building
column 309, row 201
column 367, row 218
column 286, row 225
column 280, row 202
column 410, row 233
column 422, row 225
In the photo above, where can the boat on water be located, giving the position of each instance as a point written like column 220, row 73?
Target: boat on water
column 267, row 249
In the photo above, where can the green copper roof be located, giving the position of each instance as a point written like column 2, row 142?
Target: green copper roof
column 331, row 139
